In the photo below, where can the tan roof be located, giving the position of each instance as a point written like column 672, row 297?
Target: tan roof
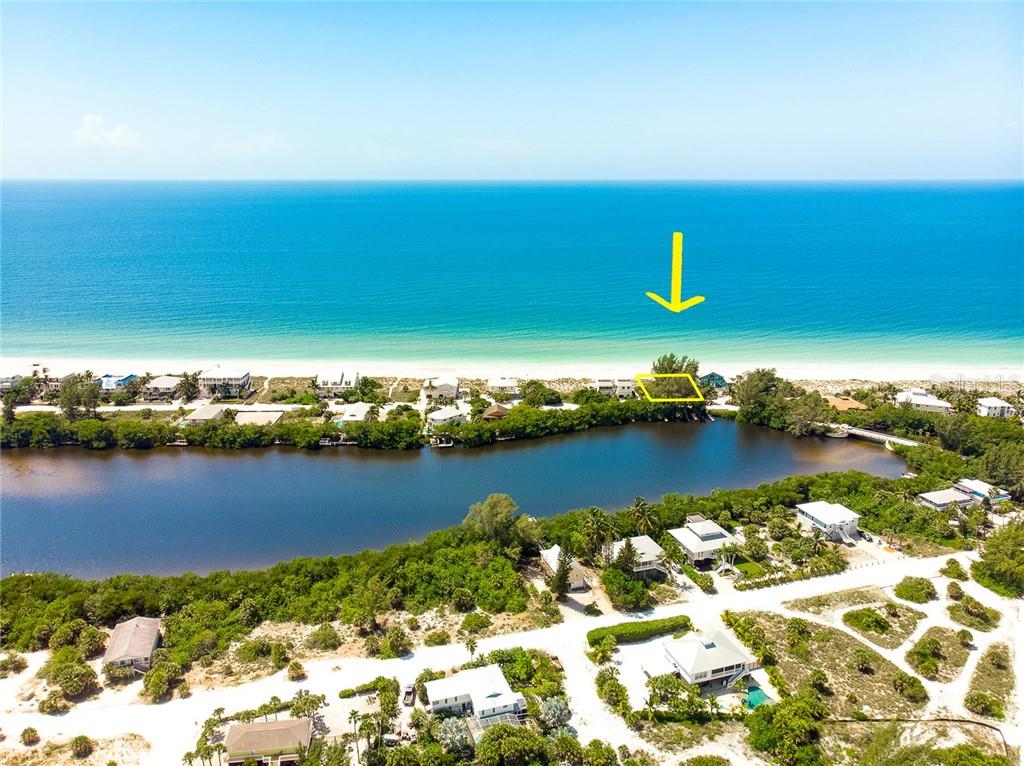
column 264, row 736
column 495, row 411
column 132, row 639
column 844, row 403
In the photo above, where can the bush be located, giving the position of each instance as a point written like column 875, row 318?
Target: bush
column 278, row 656
column 972, row 613
column 252, row 651
column 82, row 746
column 707, row 760
column 624, row 590
column 12, row 663
column 954, row 591
column 324, row 639
column 296, row 672
column 1001, row 567
column 29, row 737
column 920, row 590
column 702, row 580
column 642, row 630
column 474, row 622
column 954, row 570
column 984, row 704
column 54, row 704
column 437, row 638
column 867, row 620
column 909, row 687
column 118, row 674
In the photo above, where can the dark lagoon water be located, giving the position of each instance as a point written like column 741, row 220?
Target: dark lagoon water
column 168, row 511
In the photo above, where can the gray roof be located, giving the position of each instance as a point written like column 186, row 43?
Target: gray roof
column 133, row 639
column 702, row 536
column 264, row 736
column 646, row 548
column 694, row 654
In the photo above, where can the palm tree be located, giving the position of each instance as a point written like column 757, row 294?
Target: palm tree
column 817, row 540
column 353, row 716
column 471, row 646
column 597, row 528
column 644, row 517
column 729, row 552
column 188, row 758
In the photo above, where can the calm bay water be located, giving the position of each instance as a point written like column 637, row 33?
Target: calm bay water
column 167, row 511
column 545, row 273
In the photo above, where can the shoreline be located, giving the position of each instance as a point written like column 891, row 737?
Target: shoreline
column 801, row 371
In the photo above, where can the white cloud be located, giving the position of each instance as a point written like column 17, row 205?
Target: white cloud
column 269, row 144
column 94, row 133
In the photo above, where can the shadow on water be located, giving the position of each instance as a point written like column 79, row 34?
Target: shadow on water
column 166, row 511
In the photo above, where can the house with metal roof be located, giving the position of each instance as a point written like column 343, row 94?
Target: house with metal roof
column 132, row 643
column 268, row 743
column 549, row 558
column 479, row 692
column 701, row 539
column 994, row 407
column 921, row 400
column 711, row 661
column 837, row 521
column 648, row 554
column 160, row 387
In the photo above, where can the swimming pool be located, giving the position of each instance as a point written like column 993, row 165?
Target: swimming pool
column 755, row 697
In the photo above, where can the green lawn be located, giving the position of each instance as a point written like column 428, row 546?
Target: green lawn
column 749, row 568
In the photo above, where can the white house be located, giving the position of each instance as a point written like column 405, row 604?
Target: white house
column 549, row 559
column 919, row 399
column 508, row 386
column 980, row 490
column 445, row 386
column 356, row 412
column 7, row 382
column 993, row 407
column 225, row 381
column 333, row 382
column 204, row 414
column 479, row 692
column 620, row 388
column 701, row 539
column 132, row 643
column 711, row 661
column 648, row 554
column 944, row 499
column 837, row 521
column 111, row 382
column 161, row 387
column 449, row 415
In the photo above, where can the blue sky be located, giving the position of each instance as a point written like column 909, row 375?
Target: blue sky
column 528, row 91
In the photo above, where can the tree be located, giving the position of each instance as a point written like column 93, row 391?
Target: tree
column 471, row 645
column 627, row 557
column 554, row 712
column 188, row 387
column 493, row 518
column 597, row 529
column 643, row 517
column 508, row 745
column 560, row 579
column 536, row 394
column 1001, row 567
column 79, row 395
column 453, row 735
column 672, row 364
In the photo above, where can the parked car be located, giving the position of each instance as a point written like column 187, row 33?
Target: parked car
column 409, row 696
column 866, row 536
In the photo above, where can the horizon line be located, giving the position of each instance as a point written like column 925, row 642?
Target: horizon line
column 992, row 180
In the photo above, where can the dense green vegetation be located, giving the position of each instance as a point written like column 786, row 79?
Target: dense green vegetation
column 1001, row 568
column 920, row 590
column 642, row 630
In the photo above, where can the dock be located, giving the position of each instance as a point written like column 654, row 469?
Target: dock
column 875, row 436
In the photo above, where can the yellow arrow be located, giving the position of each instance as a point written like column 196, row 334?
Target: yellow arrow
column 677, row 303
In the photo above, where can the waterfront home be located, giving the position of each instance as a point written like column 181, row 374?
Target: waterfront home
column 446, row 387
column 204, row 414
column 478, row 692
column 712, row 661
column 713, row 380
column 160, row 387
column 993, row 407
column 333, row 382
column 980, row 490
column 944, row 499
column 450, row 415
column 494, row 412
column 357, row 412
column 845, row 403
column 268, row 743
column 919, row 399
column 257, row 418
column 509, row 386
column 111, row 382
column 648, row 555
column 225, row 382
column 701, row 539
column 549, row 559
column 8, row 382
column 132, row 643
column 837, row 521
column 620, row 388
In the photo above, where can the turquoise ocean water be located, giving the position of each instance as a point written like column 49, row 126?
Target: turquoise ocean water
column 901, row 274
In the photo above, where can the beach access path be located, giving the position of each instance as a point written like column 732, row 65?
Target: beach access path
column 171, row 728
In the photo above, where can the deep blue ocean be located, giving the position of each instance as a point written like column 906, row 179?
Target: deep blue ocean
column 541, row 272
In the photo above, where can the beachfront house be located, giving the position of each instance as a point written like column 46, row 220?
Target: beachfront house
column 845, row 403
column 712, row 661
column 333, row 382
column 449, row 415
column 713, row 380
column 837, row 521
column 494, row 412
column 132, row 643
column 445, row 387
column 648, row 555
column 481, row 693
column 701, row 540
column 268, row 743
column 919, row 399
column 8, row 382
column 114, row 382
column 944, row 499
column 160, row 387
column 620, row 388
column 508, row 386
column 993, row 407
column 225, row 382
column 549, row 559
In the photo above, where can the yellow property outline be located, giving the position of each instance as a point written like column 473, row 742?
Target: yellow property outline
column 688, row 376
